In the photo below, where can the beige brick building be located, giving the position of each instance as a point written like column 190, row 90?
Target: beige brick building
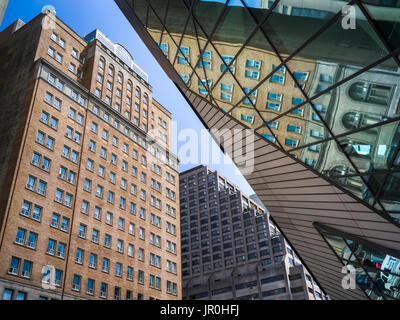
column 271, row 98
column 89, row 188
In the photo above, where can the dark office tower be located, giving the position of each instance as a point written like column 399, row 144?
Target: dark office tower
column 230, row 247
column 319, row 84
column 88, row 197
column 3, row 7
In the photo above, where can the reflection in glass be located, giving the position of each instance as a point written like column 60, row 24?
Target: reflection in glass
column 377, row 272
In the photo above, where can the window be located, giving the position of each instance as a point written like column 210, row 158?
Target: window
column 252, row 74
column 75, row 53
column 297, row 101
column 106, row 265
column 247, row 118
column 316, row 134
column 107, row 241
column 79, row 256
column 291, row 142
column 8, row 294
column 103, row 290
column 95, row 236
column 72, row 68
column 276, row 78
column 90, row 287
column 274, row 96
column 293, row 128
column 118, row 269
column 76, row 283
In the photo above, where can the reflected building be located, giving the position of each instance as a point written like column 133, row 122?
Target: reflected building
column 323, row 100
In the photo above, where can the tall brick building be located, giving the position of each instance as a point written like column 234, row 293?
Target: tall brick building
column 89, row 196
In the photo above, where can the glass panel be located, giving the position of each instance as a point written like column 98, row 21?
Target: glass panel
column 390, row 194
column 386, row 16
column 363, row 101
column 376, row 272
column 140, row 9
column 208, row 14
column 283, row 25
column 371, row 152
column 302, row 124
column 338, row 47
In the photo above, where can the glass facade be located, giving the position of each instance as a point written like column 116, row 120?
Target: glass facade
column 376, row 272
column 318, row 80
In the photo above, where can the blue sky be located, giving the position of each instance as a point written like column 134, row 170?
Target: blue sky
column 86, row 15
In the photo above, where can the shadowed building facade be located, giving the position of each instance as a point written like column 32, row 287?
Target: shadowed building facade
column 319, row 84
column 89, row 194
column 231, row 249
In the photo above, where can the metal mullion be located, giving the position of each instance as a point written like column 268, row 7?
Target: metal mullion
column 362, row 267
column 240, row 86
column 265, row 124
column 208, row 41
column 212, row 99
column 218, row 21
column 339, row 83
column 184, row 29
column 344, row 134
column 321, row 30
column 163, row 23
column 376, row 29
column 173, row 41
column 388, row 171
column 337, row 256
column 204, row 69
column 253, row 33
column 155, row 13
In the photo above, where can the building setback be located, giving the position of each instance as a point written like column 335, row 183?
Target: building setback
column 230, row 247
column 89, row 198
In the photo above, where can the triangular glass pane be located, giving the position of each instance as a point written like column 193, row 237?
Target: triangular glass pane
column 371, row 151
column 271, row 134
column 140, row 9
column 300, row 127
column 338, row 49
column 247, row 116
column 385, row 15
column 289, row 26
column 160, row 8
column 376, row 271
column 201, row 86
column 390, row 191
column 208, row 13
column 277, row 94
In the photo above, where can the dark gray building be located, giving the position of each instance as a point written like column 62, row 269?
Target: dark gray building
column 231, row 249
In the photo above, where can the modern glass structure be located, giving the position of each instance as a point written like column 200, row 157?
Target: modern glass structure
column 319, row 83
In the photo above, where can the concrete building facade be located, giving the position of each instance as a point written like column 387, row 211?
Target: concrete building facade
column 231, row 249
column 89, row 196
